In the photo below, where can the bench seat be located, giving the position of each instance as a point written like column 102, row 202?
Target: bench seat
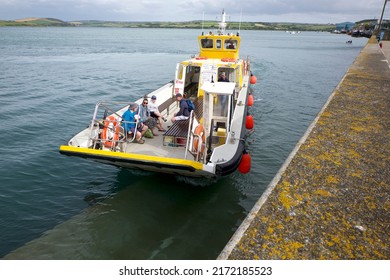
column 176, row 135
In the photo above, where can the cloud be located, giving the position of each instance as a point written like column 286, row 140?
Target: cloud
column 298, row 9
column 293, row 9
column 178, row 10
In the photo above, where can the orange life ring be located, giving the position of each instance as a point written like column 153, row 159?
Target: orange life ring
column 200, row 58
column 227, row 59
column 199, row 131
column 110, row 134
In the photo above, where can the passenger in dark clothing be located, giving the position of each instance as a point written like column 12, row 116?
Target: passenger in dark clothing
column 183, row 113
column 223, row 78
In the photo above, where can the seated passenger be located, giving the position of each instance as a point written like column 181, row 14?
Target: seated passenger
column 145, row 117
column 155, row 113
column 183, row 113
column 129, row 119
column 231, row 45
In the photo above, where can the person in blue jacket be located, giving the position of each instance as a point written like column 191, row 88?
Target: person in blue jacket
column 129, row 119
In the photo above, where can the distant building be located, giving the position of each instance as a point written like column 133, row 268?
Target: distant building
column 345, row 26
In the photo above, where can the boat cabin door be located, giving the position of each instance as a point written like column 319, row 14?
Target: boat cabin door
column 217, row 108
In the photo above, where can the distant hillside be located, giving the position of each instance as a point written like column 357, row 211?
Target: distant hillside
column 34, row 22
column 197, row 24
column 188, row 24
column 26, row 19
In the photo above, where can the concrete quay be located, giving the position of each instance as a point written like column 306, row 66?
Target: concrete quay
column 331, row 198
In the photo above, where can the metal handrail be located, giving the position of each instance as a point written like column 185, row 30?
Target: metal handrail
column 189, row 133
column 134, row 134
column 100, row 123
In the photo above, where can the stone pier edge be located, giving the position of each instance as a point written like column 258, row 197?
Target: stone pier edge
column 235, row 239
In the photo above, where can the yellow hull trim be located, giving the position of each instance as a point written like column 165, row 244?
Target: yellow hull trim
column 173, row 161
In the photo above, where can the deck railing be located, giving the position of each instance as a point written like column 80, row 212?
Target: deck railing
column 107, row 132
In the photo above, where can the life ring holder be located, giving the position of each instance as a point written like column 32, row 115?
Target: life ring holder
column 198, row 133
column 110, row 142
column 228, row 59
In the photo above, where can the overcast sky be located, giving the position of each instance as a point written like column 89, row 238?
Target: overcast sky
column 304, row 11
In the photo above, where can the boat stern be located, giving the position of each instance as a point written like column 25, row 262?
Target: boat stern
column 169, row 165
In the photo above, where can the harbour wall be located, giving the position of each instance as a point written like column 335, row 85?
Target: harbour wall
column 331, row 197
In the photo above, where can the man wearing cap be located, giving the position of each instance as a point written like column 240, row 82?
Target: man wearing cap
column 155, row 113
column 183, row 113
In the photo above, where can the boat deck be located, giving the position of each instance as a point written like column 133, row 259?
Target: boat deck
column 155, row 146
column 170, row 143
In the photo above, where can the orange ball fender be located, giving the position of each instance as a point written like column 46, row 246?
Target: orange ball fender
column 245, row 163
column 249, row 122
column 250, row 100
column 253, row 79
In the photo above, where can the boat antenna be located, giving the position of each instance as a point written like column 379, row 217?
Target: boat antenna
column 202, row 23
column 239, row 26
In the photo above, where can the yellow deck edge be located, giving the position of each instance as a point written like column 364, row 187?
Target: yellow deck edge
column 176, row 161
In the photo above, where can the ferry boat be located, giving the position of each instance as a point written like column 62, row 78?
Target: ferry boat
column 209, row 144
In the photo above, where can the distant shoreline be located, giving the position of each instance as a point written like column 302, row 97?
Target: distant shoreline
column 367, row 24
column 45, row 22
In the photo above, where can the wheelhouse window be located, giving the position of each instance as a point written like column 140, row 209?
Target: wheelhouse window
column 231, row 44
column 207, row 43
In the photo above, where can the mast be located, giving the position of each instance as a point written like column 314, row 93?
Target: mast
column 380, row 20
column 222, row 24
